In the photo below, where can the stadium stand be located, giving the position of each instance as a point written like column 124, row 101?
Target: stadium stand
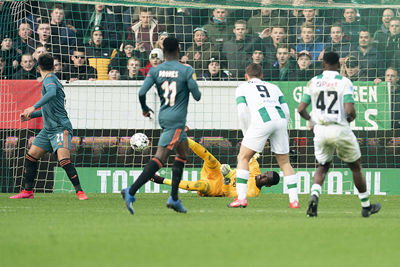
column 92, row 39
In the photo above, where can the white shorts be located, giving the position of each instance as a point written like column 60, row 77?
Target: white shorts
column 327, row 138
column 276, row 130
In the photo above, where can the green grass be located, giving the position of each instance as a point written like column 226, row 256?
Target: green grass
column 59, row 230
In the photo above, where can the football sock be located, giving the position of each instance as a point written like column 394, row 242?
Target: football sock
column 364, row 197
column 177, row 170
column 71, row 173
column 30, row 173
column 167, row 181
column 241, row 183
column 200, row 186
column 316, row 190
column 149, row 170
column 291, row 183
column 210, row 161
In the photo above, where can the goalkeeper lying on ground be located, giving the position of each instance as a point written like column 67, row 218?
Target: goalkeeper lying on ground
column 218, row 180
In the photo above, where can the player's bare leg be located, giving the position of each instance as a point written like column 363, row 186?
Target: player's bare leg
column 359, row 182
column 177, row 171
column 242, row 176
column 318, row 180
column 156, row 163
column 291, row 179
column 30, row 171
column 64, row 155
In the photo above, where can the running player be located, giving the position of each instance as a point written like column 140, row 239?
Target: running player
column 269, row 117
column 56, row 133
column 218, row 180
column 174, row 82
column 331, row 97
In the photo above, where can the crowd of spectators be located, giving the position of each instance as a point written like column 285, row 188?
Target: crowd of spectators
column 99, row 42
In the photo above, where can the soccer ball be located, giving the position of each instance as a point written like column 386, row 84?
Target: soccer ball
column 139, row 141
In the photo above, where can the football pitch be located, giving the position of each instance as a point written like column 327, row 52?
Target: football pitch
column 59, row 230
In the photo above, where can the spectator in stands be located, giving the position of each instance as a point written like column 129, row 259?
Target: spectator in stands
column 372, row 64
column 27, row 70
column 40, row 49
column 257, row 57
column 79, row 69
column 99, row 55
column 214, row 72
column 304, row 70
column 113, row 73
column 161, row 38
column 126, row 51
column 310, row 16
column 145, row 30
column 2, row 69
column 58, row 68
column 234, row 50
column 98, row 16
column 134, row 70
column 24, row 34
column 269, row 41
column 60, row 33
column 351, row 70
column 161, row 14
column 351, row 25
column 308, row 43
column 200, row 52
column 284, row 64
column 156, row 57
column 383, row 30
column 264, row 19
column 7, row 17
column 9, row 55
column 218, row 29
column 392, row 77
column 389, row 43
column 337, row 44
column 44, row 38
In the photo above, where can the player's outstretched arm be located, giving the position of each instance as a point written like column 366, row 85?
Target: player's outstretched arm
column 147, row 84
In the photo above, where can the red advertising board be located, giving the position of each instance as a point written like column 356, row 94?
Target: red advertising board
column 15, row 96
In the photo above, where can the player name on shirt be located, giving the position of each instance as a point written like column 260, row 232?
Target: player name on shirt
column 168, row 73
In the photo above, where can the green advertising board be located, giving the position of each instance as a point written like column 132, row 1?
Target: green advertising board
column 338, row 181
column 371, row 103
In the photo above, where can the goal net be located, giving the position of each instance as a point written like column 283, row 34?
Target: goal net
column 104, row 50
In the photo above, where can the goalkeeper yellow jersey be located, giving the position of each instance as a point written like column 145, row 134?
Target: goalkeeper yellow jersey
column 215, row 179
